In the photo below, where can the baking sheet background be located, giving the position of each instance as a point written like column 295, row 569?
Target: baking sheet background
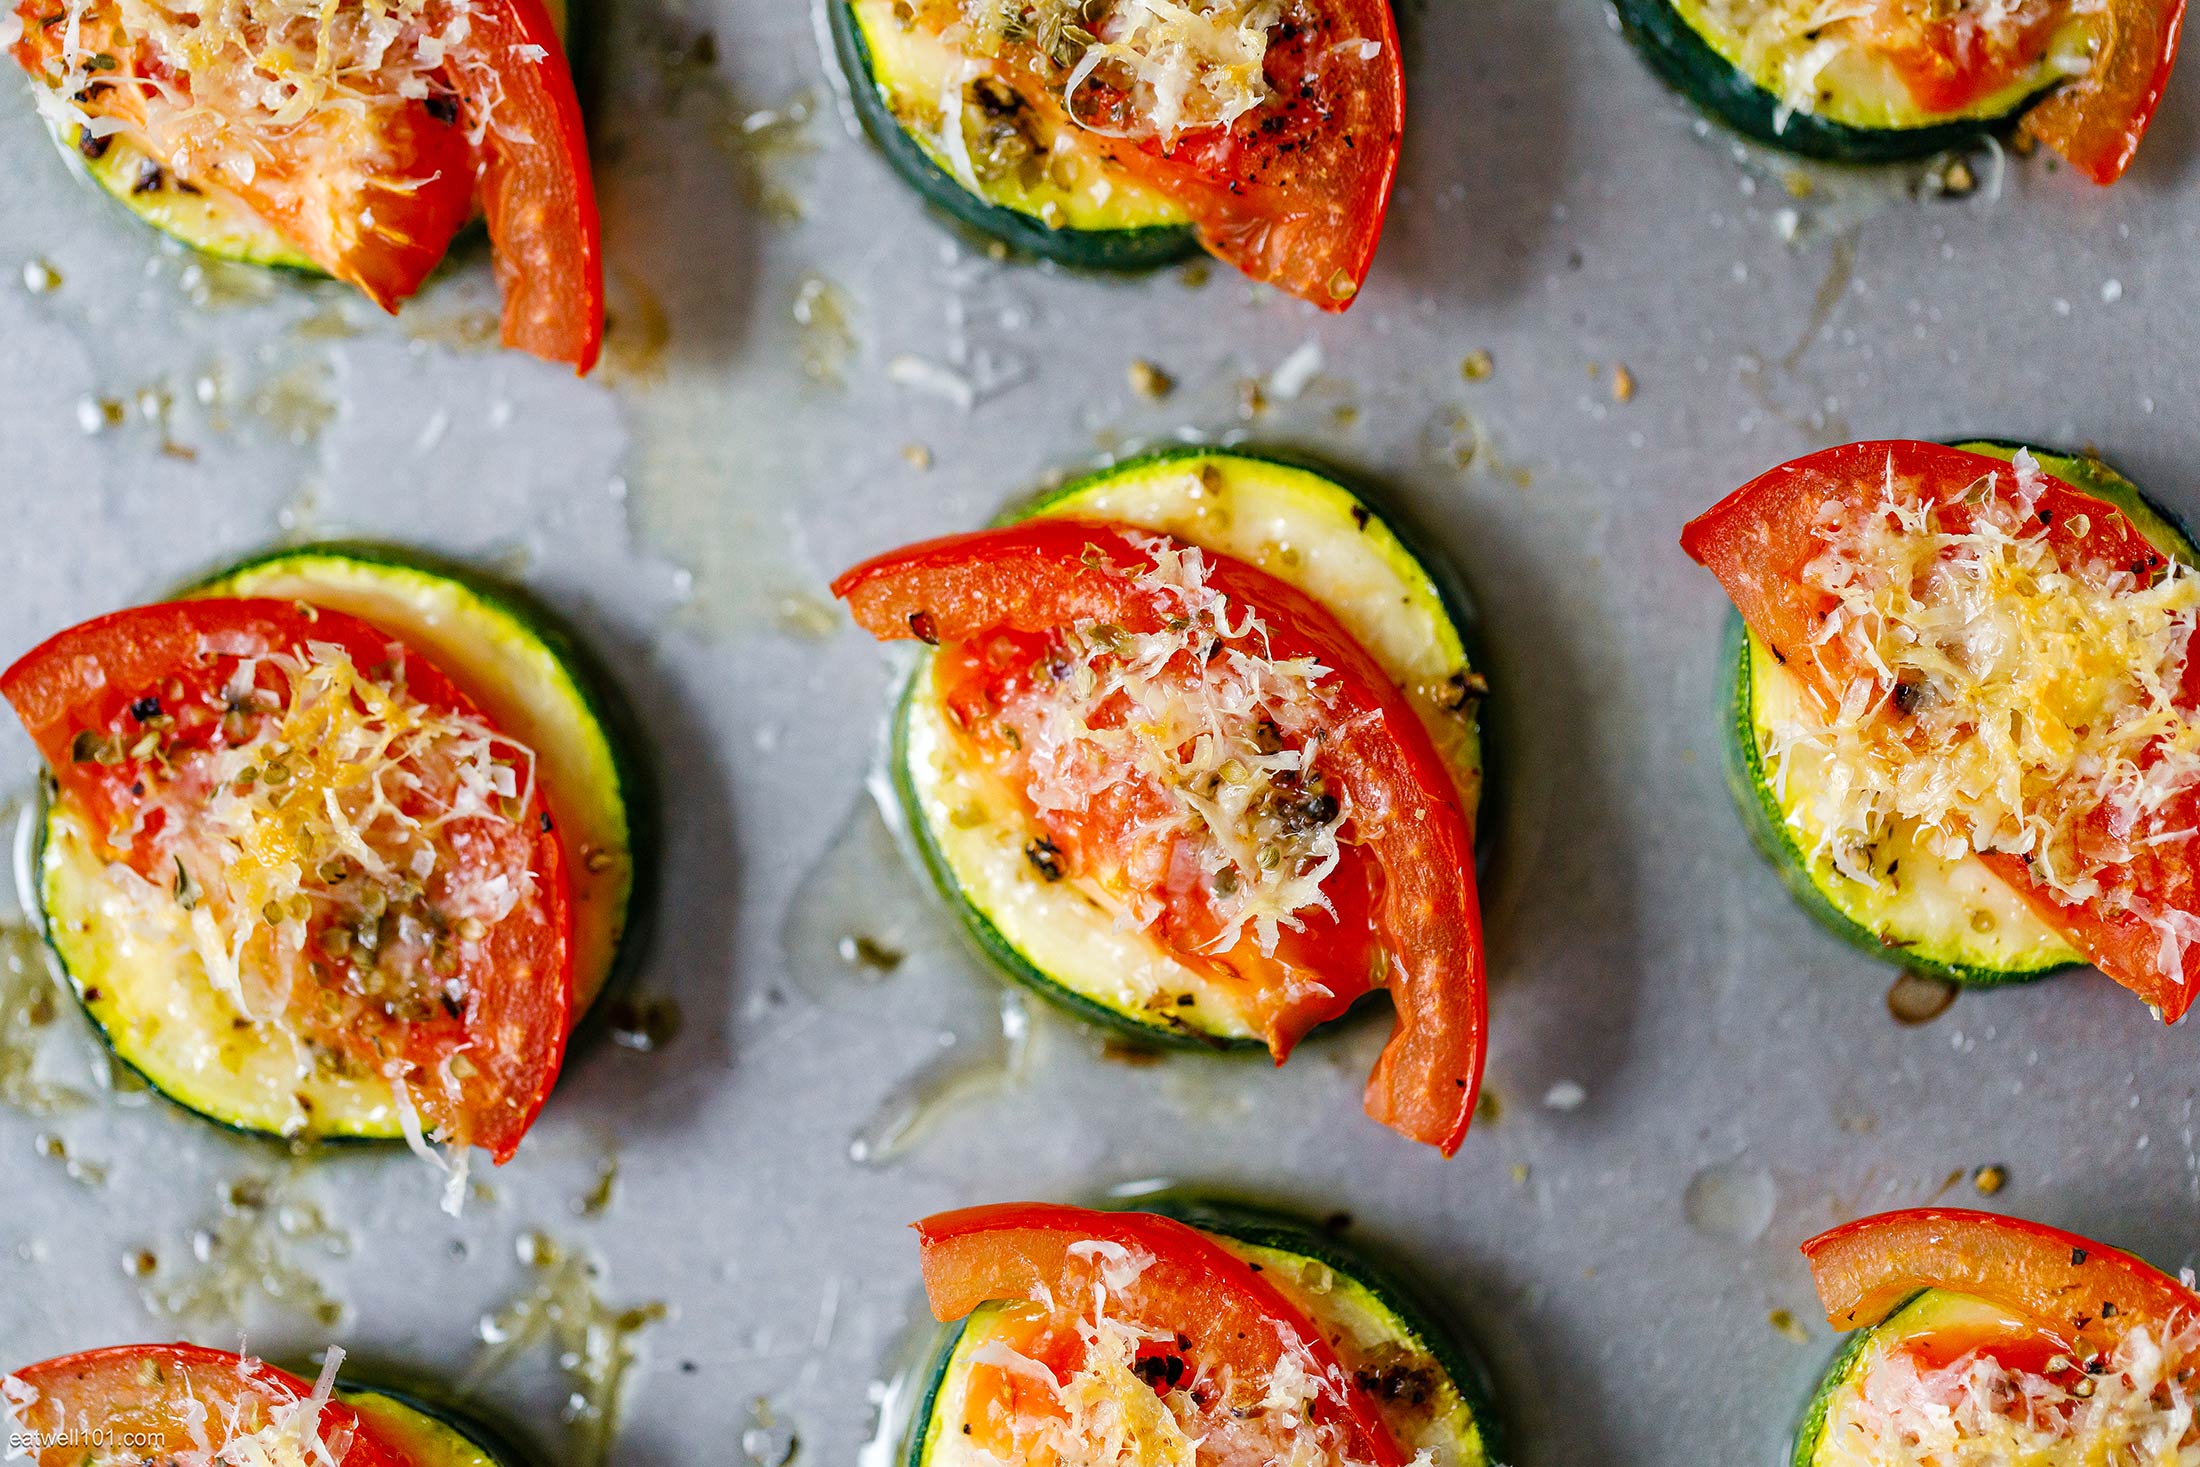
column 1559, row 210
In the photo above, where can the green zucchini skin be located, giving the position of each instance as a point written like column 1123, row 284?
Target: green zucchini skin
column 488, row 1438
column 1113, row 250
column 1685, row 61
column 1283, row 1232
column 1749, row 781
column 1168, row 1033
column 1810, row 1429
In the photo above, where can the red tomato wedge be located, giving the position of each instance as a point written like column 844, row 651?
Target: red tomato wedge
column 1758, row 542
column 2098, row 120
column 1410, row 847
column 1228, row 1328
column 204, row 740
column 2084, row 1295
column 181, row 1404
column 371, row 191
column 1292, row 192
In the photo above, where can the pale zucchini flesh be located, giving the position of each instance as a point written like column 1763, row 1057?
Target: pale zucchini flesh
column 1297, row 524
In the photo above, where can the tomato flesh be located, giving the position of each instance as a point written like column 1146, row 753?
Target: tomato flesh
column 2097, row 121
column 2082, row 1296
column 1759, row 540
column 1216, row 1330
column 1414, row 857
column 1950, row 59
column 178, row 1403
column 134, row 711
column 374, row 195
column 1124, row 841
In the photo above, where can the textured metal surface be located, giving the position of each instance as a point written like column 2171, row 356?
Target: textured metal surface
column 1560, row 212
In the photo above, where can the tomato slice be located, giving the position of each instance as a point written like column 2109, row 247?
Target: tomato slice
column 2098, row 120
column 1413, row 846
column 2084, row 1295
column 1759, row 540
column 1224, row 1332
column 173, row 1404
column 453, row 974
column 374, row 194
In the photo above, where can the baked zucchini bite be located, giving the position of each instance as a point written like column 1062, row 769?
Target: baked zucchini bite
column 353, row 139
column 1116, row 135
column 1219, row 868
column 1006, row 171
column 1825, row 799
column 1249, row 1333
column 342, row 845
column 197, row 1407
column 1893, row 79
column 1982, row 1340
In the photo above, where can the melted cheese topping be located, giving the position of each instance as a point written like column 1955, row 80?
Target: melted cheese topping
column 1226, row 736
column 2005, row 702
column 1809, row 53
column 1177, row 65
column 207, row 86
column 329, row 816
column 1975, row 1411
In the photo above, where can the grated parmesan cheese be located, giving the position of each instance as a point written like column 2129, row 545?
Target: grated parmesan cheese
column 1220, row 741
column 216, row 90
column 2001, row 701
column 1107, row 1411
column 1157, row 68
column 1974, row 1411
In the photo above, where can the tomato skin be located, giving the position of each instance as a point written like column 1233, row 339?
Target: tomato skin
column 1033, row 576
column 2099, row 120
column 520, row 988
column 1757, row 541
column 108, row 1390
column 1865, row 1269
column 540, row 197
column 1194, row 1287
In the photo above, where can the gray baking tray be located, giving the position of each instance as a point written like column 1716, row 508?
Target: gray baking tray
column 1692, row 1077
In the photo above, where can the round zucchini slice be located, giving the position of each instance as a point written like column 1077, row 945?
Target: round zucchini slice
column 1779, row 85
column 1952, row 919
column 215, row 225
column 161, row 1017
column 1432, row 1389
column 1000, row 170
column 1295, row 523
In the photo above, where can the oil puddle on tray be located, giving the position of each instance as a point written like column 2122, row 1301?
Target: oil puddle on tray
column 860, row 922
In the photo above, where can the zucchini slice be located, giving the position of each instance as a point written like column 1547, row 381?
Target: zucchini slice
column 216, row 224
column 1293, row 522
column 1000, row 171
column 1433, row 1391
column 1772, row 81
column 1954, row 920
column 164, row 1020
